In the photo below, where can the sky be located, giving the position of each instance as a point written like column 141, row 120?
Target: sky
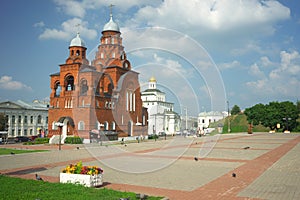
column 206, row 55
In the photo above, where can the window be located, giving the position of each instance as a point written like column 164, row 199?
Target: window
column 102, row 55
column 69, row 83
column 113, row 40
column 77, row 53
column 39, row 119
column 19, row 119
column 25, row 131
column 83, row 87
column 106, row 40
column 13, row 119
column 25, row 120
column 113, row 126
column 81, row 125
column 19, row 132
column 31, row 119
column 106, row 126
column 57, row 89
column 113, row 55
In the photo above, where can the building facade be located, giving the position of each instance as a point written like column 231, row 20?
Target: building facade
column 205, row 118
column 103, row 94
column 161, row 115
column 25, row 119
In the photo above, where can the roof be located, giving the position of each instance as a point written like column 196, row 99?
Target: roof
column 77, row 41
column 152, row 90
column 35, row 105
column 111, row 25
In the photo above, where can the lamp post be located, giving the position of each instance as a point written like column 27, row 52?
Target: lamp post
column 228, row 117
column 59, row 125
column 286, row 119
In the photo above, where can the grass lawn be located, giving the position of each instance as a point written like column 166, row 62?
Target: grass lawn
column 12, row 188
column 5, row 151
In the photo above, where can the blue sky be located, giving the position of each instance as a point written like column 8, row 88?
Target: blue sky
column 203, row 53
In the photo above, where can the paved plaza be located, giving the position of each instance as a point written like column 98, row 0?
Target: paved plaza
column 266, row 165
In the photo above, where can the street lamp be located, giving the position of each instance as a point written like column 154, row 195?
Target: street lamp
column 59, row 125
column 286, row 119
column 228, row 117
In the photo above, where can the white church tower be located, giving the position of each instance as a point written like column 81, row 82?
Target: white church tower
column 161, row 115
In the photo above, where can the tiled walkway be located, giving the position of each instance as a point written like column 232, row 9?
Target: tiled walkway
column 266, row 166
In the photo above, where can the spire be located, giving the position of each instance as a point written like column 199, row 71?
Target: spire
column 111, row 25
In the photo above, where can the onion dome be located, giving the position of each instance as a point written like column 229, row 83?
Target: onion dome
column 77, row 41
column 111, row 25
column 152, row 79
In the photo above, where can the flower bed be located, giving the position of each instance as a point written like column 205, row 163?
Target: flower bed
column 89, row 176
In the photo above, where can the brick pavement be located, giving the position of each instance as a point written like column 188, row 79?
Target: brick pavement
column 209, row 178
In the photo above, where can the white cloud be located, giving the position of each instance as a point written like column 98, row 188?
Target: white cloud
column 69, row 29
column 230, row 65
column 284, row 80
column 7, row 83
column 39, row 24
column 214, row 15
column 73, row 8
column 80, row 8
column 255, row 71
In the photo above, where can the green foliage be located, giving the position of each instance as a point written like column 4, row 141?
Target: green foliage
column 73, row 140
column 150, row 137
column 32, row 189
column 239, row 123
column 37, row 141
column 235, row 110
column 269, row 115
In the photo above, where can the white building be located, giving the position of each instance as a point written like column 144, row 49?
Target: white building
column 161, row 115
column 205, row 118
column 25, row 119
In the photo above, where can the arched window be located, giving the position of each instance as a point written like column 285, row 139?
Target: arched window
column 57, row 89
column 106, row 125
column 77, row 53
column 113, row 126
column 83, row 87
column 81, row 125
column 69, row 83
column 39, row 119
column 72, row 52
column 112, row 40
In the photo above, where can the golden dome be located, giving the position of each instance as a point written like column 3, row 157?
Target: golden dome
column 152, row 79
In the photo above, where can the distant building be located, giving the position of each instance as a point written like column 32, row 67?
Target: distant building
column 25, row 119
column 205, row 118
column 161, row 115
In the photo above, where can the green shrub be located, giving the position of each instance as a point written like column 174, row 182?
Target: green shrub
column 151, row 137
column 73, row 140
column 38, row 141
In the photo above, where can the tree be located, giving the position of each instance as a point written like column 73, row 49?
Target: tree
column 235, row 110
column 255, row 114
column 284, row 113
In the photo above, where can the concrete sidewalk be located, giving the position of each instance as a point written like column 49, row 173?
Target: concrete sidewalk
column 266, row 169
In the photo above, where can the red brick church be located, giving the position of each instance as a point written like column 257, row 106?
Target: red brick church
column 104, row 95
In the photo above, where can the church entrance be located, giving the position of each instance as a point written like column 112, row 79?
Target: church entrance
column 68, row 126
